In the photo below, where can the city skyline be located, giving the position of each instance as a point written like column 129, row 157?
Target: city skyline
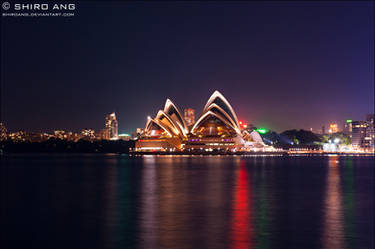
column 187, row 124
column 276, row 72
column 341, row 126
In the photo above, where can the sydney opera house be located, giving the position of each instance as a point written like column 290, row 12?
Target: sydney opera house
column 217, row 129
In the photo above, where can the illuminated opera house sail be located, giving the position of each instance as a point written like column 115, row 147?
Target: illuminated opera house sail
column 217, row 129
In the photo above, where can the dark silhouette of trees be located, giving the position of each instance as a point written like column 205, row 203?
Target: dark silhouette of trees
column 63, row 146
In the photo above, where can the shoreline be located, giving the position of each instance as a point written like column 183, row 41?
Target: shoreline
column 284, row 153
column 253, row 153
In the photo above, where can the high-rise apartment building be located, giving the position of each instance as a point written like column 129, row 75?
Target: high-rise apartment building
column 370, row 131
column 359, row 133
column 363, row 133
column 111, row 126
column 3, row 132
column 333, row 128
column 348, row 127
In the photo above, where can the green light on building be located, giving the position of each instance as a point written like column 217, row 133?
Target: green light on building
column 349, row 120
column 262, row 130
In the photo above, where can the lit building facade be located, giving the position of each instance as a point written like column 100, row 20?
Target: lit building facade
column 348, row 127
column 333, row 128
column 102, row 135
column 124, row 136
column 359, row 134
column 363, row 134
column 370, row 131
column 189, row 115
column 111, row 126
column 88, row 134
column 3, row 132
column 60, row 134
column 140, row 131
column 217, row 129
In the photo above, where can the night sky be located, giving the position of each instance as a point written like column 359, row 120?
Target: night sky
column 281, row 65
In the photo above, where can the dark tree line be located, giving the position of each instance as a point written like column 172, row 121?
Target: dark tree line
column 301, row 138
column 58, row 145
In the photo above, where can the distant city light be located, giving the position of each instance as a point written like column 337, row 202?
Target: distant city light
column 349, row 120
column 262, row 130
column 242, row 124
column 111, row 127
column 333, row 128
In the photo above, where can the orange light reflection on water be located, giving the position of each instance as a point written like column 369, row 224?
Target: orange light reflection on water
column 333, row 234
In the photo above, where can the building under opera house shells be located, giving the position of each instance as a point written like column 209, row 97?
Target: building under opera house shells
column 217, row 129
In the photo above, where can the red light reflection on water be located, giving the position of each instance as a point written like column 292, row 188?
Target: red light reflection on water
column 241, row 230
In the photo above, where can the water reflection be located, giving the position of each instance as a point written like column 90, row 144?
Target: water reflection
column 127, row 211
column 241, row 228
column 190, row 202
column 333, row 234
column 262, row 214
column 148, row 220
column 217, row 194
column 349, row 202
column 109, row 201
column 170, row 202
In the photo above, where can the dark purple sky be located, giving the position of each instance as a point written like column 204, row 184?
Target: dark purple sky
column 281, row 65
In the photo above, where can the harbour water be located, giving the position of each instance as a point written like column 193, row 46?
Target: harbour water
column 119, row 201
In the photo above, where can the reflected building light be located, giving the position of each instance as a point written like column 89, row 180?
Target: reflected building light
column 148, row 221
column 110, row 195
column 333, row 234
column 241, row 228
